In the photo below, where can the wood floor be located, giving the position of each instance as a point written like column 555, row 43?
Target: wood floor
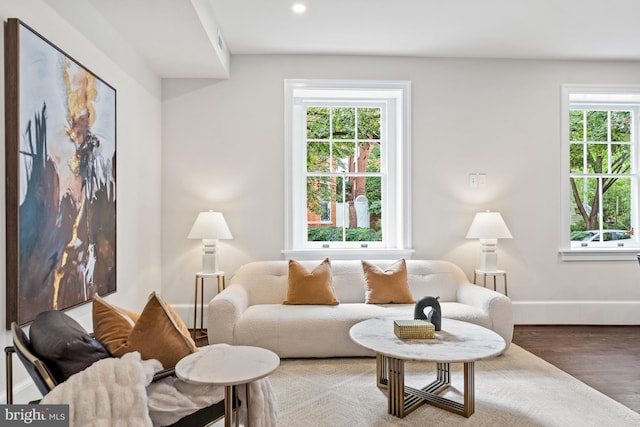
column 606, row 358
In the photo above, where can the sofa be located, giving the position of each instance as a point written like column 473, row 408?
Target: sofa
column 250, row 311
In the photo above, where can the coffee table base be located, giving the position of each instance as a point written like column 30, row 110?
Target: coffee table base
column 403, row 399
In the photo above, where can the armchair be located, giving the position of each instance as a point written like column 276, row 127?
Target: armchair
column 41, row 370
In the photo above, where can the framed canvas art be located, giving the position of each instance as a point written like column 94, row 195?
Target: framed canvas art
column 60, row 130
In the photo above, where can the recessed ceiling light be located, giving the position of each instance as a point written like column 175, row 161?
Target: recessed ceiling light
column 299, row 8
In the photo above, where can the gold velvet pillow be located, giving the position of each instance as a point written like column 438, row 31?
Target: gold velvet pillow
column 310, row 287
column 111, row 324
column 159, row 333
column 387, row 286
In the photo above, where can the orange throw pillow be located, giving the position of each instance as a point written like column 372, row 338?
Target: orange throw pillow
column 310, row 287
column 387, row 286
column 159, row 333
column 111, row 324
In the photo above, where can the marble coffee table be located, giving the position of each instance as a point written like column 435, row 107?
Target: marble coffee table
column 227, row 365
column 457, row 342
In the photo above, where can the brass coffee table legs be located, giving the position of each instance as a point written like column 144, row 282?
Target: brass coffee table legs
column 404, row 399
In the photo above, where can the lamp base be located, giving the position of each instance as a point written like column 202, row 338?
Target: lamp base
column 209, row 263
column 209, row 258
column 488, row 254
column 488, row 261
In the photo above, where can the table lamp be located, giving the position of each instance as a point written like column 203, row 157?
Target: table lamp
column 209, row 226
column 488, row 227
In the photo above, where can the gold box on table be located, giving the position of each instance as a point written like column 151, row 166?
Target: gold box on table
column 417, row 328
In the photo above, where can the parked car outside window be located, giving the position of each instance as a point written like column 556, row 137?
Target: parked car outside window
column 594, row 235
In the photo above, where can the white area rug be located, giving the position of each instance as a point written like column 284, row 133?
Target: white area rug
column 515, row 389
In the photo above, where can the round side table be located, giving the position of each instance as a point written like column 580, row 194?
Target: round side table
column 229, row 366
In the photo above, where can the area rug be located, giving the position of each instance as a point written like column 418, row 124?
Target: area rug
column 514, row 389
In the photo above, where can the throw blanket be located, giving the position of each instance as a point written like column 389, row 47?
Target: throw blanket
column 171, row 399
column 111, row 392
column 118, row 391
column 264, row 405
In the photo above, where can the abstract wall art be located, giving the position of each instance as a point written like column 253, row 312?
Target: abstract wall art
column 60, row 147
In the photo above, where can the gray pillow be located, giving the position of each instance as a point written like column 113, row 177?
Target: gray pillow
column 63, row 345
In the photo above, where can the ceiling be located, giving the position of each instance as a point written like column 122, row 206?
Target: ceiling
column 196, row 38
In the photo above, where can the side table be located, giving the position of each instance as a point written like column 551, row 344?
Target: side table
column 229, row 366
column 495, row 274
column 200, row 276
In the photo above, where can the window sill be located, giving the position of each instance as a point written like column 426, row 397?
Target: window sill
column 599, row 254
column 315, row 254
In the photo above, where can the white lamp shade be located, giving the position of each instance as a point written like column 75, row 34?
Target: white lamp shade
column 488, row 225
column 210, row 225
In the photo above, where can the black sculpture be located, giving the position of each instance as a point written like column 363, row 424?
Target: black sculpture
column 435, row 316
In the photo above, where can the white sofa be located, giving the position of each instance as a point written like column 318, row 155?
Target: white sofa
column 250, row 310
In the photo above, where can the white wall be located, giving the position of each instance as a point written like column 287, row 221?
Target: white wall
column 223, row 150
column 138, row 165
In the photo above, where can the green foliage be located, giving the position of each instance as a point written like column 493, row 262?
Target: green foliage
column 334, row 234
column 318, row 153
column 324, row 234
column 373, row 191
column 363, row 235
column 373, row 184
column 578, row 226
column 576, row 156
column 369, row 123
column 621, row 126
column 576, row 125
column 375, row 208
column 616, row 205
column 344, row 123
column 318, row 123
column 318, row 190
column 597, row 126
column 343, row 152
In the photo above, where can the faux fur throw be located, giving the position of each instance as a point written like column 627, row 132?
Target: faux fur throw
column 264, row 405
column 118, row 391
column 111, row 392
column 171, row 399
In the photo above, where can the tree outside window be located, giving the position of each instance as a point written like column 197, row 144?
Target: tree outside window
column 344, row 173
column 601, row 175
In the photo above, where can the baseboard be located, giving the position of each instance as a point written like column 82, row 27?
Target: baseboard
column 576, row 312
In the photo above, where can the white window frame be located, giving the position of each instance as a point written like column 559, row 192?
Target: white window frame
column 396, row 95
column 602, row 253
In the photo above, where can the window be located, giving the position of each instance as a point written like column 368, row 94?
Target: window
column 348, row 168
column 343, row 172
column 600, row 149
